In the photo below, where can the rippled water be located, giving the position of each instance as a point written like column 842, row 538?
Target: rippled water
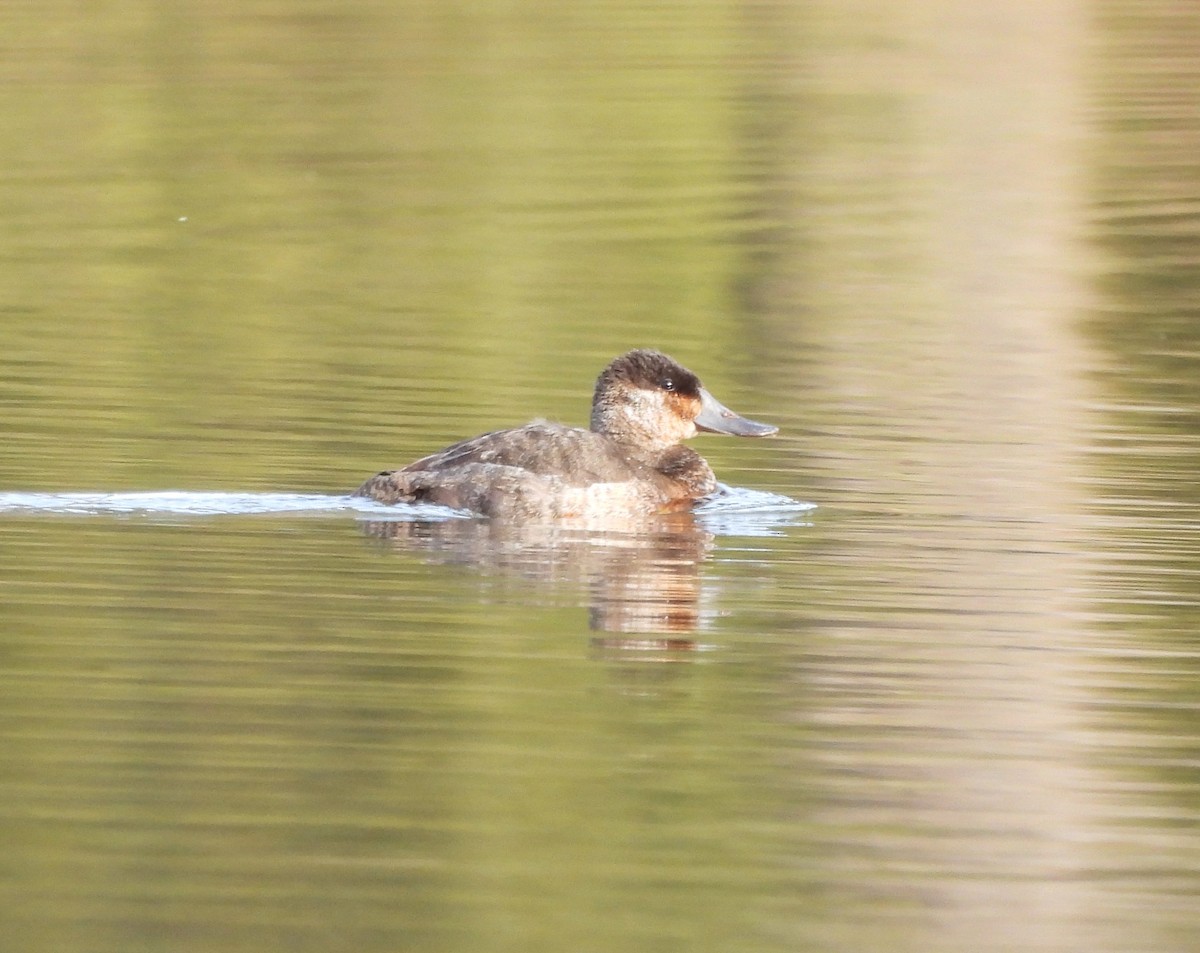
column 255, row 253
column 737, row 509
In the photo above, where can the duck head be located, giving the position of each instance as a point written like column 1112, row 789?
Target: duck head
column 649, row 401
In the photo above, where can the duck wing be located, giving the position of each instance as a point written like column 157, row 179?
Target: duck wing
column 575, row 456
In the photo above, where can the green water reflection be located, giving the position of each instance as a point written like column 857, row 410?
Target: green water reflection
column 266, row 210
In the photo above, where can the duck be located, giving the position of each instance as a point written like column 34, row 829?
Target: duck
column 629, row 462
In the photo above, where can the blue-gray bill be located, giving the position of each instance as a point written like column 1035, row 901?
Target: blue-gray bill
column 715, row 417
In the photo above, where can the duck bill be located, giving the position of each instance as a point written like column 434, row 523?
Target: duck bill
column 715, row 417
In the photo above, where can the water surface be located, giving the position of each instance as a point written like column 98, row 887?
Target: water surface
column 255, row 253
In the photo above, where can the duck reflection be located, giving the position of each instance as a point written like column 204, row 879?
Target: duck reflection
column 641, row 575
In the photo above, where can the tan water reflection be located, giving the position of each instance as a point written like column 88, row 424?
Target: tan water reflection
column 642, row 577
column 957, row 365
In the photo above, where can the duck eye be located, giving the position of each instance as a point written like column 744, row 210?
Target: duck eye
column 667, row 384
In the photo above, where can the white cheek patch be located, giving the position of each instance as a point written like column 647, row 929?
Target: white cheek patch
column 642, row 405
column 654, row 410
column 642, row 399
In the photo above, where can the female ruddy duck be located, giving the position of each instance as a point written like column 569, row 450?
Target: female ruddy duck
column 629, row 463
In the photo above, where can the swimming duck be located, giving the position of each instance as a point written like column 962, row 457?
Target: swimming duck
column 630, row 462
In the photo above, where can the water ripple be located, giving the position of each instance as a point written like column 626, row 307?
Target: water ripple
column 737, row 512
column 189, row 503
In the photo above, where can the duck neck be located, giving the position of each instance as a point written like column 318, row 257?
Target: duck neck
column 635, row 439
